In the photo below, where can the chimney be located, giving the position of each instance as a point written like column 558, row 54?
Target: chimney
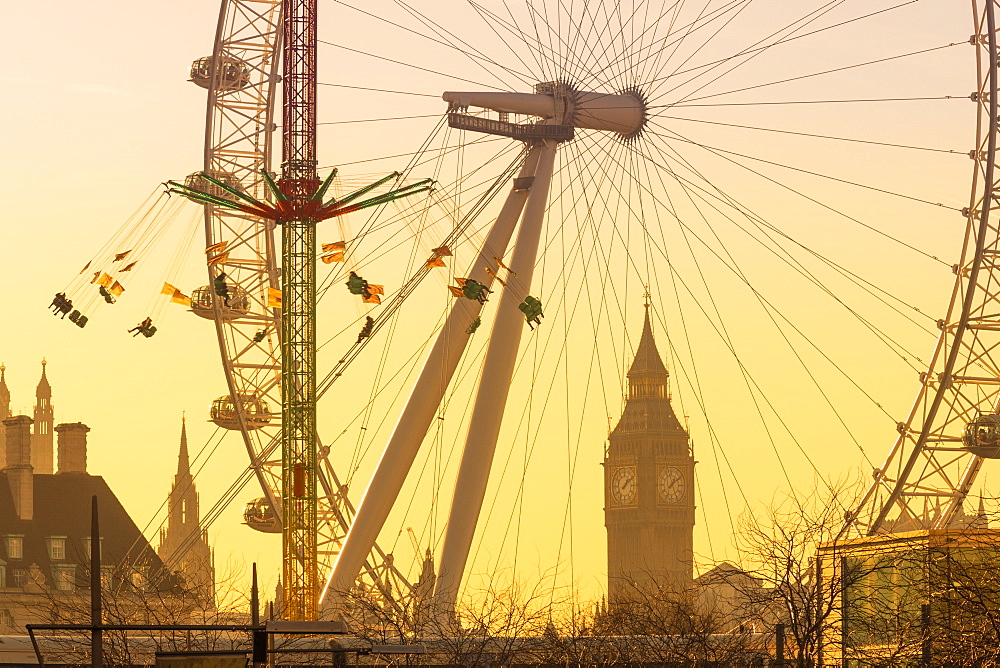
column 72, row 442
column 19, row 471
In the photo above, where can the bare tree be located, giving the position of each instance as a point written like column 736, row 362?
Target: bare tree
column 131, row 598
column 784, row 581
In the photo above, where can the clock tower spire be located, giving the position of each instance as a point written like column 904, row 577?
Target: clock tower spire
column 648, row 482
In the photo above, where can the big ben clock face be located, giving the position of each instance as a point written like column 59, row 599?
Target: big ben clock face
column 670, row 484
column 623, row 486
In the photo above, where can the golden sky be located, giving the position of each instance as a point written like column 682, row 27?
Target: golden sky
column 99, row 112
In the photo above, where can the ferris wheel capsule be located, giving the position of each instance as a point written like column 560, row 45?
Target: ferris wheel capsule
column 195, row 182
column 233, row 73
column 259, row 514
column 982, row 436
column 236, row 304
column 256, row 412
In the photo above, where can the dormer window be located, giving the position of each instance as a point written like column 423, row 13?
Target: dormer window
column 15, row 547
column 86, row 546
column 57, row 548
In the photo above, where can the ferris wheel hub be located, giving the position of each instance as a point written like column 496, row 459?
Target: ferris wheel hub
column 560, row 104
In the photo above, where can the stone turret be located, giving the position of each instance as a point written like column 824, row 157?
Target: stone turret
column 4, row 414
column 19, row 471
column 41, row 438
column 72, row 447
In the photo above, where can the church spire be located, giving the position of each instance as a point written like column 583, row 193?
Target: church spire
column 647, row 377
column 183, row 463
column 183, row 542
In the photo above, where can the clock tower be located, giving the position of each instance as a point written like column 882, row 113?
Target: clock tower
column 648, row 485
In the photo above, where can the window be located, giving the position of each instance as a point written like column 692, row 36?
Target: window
column 86, row 547
column 15, row 547
column 57, row 548
column 6, row 619
column 20, row 577
column 3, row 574
column 65, row 577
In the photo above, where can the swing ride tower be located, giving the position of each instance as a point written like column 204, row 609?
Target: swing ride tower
column 299, row 181
column 297, row 203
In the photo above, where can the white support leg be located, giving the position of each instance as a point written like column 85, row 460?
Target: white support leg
column 491, row 396
column 423, row 402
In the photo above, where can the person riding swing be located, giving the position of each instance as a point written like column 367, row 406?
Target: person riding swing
column 366, row 330
column 473, row 289
column 60, row 304
column 531, row 307
column 222, row 288
column 357, row 285
column 146, row 328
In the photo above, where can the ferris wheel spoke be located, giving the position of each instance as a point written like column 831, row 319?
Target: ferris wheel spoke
column 714, row 193
column 599, row 43
column 411, row 66
column 450, row 239
column 589, row 206
column 769, row 308
column 655, row 56
column 749, row 53
column 812, row 135
column 717, row 322
column 552, row 339
column 705, row 19
column 492, row 21
column 436, row 155
column 920, row 52
column 795, row 265
column 471, row 53
column 637, row 48
column 670, row 43
column 728, row 156
column 540, row 27
column 773, row 314
column 450, row 39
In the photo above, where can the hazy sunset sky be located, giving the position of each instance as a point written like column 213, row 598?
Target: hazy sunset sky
column 766, row 354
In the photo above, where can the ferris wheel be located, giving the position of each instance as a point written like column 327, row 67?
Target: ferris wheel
column 595, row 110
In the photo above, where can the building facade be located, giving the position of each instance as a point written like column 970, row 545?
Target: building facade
column 45, row 533
column 45, row 529
column 648, row 485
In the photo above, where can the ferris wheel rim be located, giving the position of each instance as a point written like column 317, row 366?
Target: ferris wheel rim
column 262, row 453
column 960, row 301
column 220, row 325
